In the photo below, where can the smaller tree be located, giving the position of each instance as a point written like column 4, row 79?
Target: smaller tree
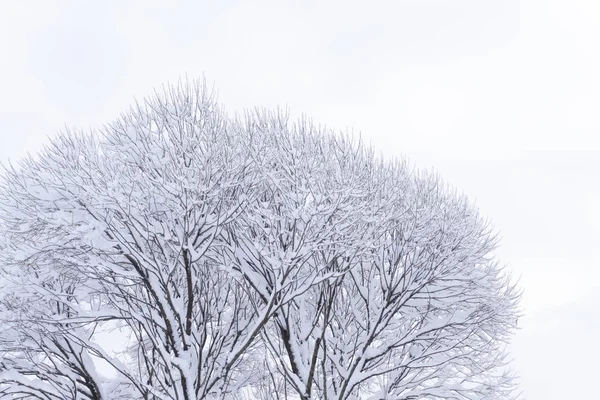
column 43, row 336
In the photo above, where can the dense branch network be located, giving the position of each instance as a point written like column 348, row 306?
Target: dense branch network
column 183, row 254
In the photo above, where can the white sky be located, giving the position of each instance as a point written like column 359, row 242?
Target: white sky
column 501, row 97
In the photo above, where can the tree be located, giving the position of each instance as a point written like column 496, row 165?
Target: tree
column 243, row 257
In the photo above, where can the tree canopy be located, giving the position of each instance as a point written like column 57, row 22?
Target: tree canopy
column 242, row 257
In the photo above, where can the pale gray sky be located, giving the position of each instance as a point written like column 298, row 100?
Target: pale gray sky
column 501, row 97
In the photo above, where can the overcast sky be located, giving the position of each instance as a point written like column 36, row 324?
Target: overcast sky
column 501, row 97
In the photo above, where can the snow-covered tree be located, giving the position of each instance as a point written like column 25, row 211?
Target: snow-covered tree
column 242, row 258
